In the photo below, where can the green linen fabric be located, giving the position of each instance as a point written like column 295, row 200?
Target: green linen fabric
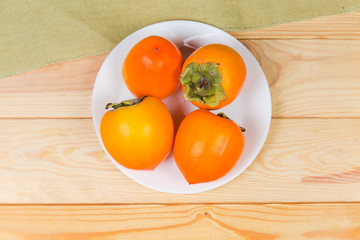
column 36, row 33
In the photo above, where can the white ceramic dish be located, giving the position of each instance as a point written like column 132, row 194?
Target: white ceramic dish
column 251, row 109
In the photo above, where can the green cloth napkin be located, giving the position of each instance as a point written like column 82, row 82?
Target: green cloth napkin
column 35, row 33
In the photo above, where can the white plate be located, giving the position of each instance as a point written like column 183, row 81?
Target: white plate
column 251, row 109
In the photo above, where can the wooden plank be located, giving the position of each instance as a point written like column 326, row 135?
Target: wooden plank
column 61, row 161
column 343, row 26
column 307, row 78
column 60, row 90
column 248, row 222
column 311, row 78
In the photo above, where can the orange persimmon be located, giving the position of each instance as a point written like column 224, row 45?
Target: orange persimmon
column 153, row 67
column 212, row 76
column 138, row 133
column 207, row 146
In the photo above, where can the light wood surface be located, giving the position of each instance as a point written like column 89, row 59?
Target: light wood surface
column 57, row 183
column 307, row 78
column 245, row 222
column 61, row 161
column 314, row 77
column 343, row 26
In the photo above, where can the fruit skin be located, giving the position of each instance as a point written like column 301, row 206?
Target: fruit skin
column 231, row 66
column 152, row 68
column 207, row 146
column 138, row 136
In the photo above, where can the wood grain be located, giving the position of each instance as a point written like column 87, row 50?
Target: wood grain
column 343, row 26
column 57, row 91
column 307, row 78
column 247, row 222
column 61, row 161
column 311, row 78
column 49, row 153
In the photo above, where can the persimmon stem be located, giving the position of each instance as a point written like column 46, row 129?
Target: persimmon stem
column 125, row 103
column 204, row 82
column 221, row 114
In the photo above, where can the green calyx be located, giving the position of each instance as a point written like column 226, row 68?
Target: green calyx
column 125, row 103
column 203, row 83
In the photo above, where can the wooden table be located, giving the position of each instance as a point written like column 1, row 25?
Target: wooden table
column 57, row 183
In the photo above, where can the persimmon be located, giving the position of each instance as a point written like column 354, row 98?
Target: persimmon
column 152, row 68
column 138, row 133
column 212, row 76
column 207, row 146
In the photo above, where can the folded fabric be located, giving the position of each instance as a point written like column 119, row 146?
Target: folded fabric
column 37, row 33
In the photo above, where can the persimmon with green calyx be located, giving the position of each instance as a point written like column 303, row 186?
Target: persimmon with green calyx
column 212, row 76
column 138, row 133
column 152, row 68
column 207, row 146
